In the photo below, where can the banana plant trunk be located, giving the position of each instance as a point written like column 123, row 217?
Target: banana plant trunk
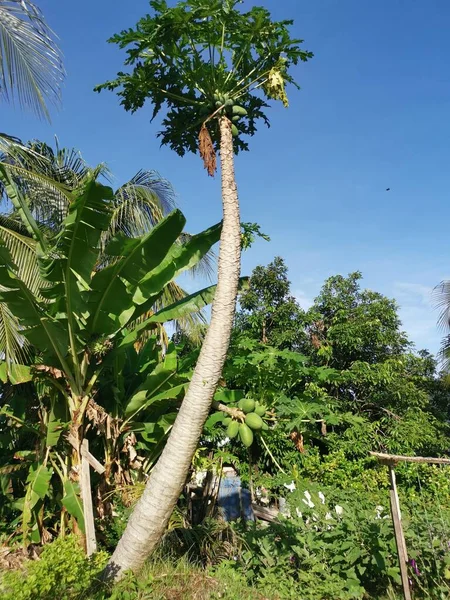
column 151, row 514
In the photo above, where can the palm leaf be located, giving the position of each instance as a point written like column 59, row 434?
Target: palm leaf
column 14, row 347
column 31, row 69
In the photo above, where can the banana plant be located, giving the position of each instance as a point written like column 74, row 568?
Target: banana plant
column 83, row 321
column 43, row 176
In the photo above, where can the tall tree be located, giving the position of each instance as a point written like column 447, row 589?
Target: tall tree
column 348, row 324
column 211, row 67
column 268, row 311
column 31, row 68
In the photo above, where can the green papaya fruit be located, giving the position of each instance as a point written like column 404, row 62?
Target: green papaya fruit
column 260, row 409
column 228, row 101
column 219, row 104
column 247, row 405
column 246, row 435
column 254, row 421
column 232, row 429
column 227, row 420
column 264, row 427
column 239, row 110
column 234, row 130
column 235, row 119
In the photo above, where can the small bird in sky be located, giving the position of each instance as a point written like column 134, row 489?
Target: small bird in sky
column 388, row 189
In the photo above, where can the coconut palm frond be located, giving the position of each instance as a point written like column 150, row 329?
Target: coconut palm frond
column 441, row 296
column 14, row 348
column 47, row 199
column 206, row 267
column 189, row 323
column 14, row 223
column 31, row 69
column 192, row 325
column 23, row 253
column 140, row 204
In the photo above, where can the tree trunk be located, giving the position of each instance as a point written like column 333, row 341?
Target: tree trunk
column 151, row 515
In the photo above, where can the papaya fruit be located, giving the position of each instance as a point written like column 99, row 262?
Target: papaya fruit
column 254, row 421
column 260, row 409
column 239, row 110
column 247, row 405
column 232, row 429
column 235, row 119
column 234, row 130
column 218, row 104
column 229, row 102
column 264, row 427
column 227, row 420
column 246, row 435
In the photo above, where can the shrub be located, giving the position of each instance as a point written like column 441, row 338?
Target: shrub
column 63, row 572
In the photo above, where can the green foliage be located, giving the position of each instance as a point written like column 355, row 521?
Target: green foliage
column 250, row 231
column 62, row 572
column 342, row 545
column 355, row 324
column 201, row 59
column 268, row 312
column 82, row 323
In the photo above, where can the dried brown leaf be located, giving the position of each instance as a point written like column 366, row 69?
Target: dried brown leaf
column 207, row 152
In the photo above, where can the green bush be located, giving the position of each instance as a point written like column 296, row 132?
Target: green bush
column 63, row 572
column 338, row 545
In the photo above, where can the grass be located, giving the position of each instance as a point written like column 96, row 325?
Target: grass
column 181, row 580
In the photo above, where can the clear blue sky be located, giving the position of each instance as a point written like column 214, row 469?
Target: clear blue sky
column 373, row 112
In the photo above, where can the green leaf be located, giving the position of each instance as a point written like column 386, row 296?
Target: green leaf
column 212, row 420
column 14, row 373
column 114, row 286
column 70, row 263
column 40, row 329
column 227, row 396
column 191, row 303
column 38, row 482
column 154, row 384
column 182, row 257
column 72, row 502
column 54, row 431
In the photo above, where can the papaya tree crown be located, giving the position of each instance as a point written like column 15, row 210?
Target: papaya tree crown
column 202, row 59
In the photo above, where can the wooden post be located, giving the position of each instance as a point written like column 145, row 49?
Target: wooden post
column 390, row 460
column 86, row 494
column 398, row 529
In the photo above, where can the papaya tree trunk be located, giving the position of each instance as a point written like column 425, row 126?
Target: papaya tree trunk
column 151, row 514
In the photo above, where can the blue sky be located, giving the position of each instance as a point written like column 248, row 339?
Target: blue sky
column 373, row 113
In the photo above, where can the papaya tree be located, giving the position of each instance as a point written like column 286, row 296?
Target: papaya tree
column 211, row 68
column 82, row 319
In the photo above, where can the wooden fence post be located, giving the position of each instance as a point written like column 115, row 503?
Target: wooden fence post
column 86, row 494
column 399, row 536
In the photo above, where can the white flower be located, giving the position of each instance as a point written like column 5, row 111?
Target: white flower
column 299, row 514
column 328, row 517
column 379, row 510
column 290, row 486
column 322, row 497
column 308, row 500
column 339, row 510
